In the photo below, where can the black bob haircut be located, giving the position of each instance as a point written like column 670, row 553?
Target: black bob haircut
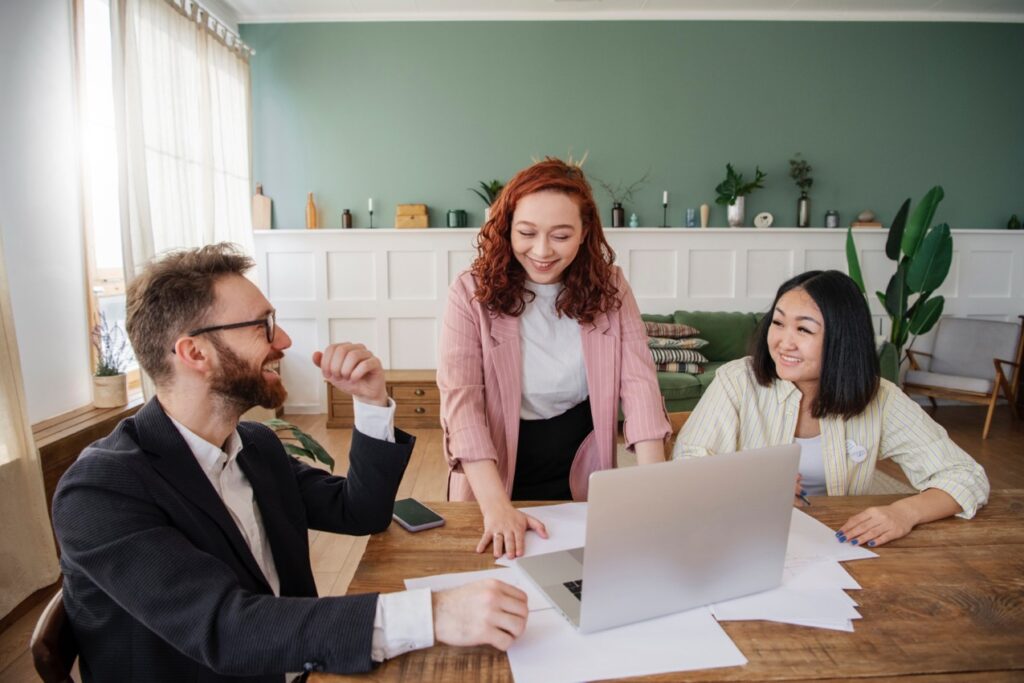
column 849, row 363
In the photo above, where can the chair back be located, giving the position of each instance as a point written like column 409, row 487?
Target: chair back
column 966, row 346
column 53, row 643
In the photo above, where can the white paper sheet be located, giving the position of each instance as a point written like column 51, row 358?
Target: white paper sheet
column 535, row 599
column 551, row 650
column 566, row 525
column 786, row 604
column 818, row 575
column 809, row 539
column 835, row 625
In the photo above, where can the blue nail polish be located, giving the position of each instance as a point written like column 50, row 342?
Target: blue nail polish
column 842, row 539
column 803, row 492
column 839, row 533
column 871, row 543
column 853, row 542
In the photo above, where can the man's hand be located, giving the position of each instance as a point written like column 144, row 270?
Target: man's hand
column 354, row 370
column 482, row 613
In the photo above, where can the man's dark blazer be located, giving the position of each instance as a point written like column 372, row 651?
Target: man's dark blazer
column 159, row 584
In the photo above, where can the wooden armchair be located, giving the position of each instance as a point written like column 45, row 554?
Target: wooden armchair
column 53, row 645
column 966, row 352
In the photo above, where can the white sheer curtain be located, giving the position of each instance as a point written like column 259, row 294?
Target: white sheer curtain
column 181, row 106
column 28, row 559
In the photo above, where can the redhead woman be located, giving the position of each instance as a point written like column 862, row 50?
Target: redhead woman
column 542, row 340
column 813, row 378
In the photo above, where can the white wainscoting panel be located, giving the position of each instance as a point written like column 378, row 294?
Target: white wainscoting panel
column 653, row 273
column 351, row 276
column 387, row 288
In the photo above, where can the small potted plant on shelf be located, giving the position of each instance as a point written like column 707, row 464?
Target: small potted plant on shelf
column 732, row 193
column 800, row 172
column 488, row 192
column 620, row 194
column 109, row 383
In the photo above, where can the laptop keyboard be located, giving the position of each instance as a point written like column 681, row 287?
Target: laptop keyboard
column 576, row 588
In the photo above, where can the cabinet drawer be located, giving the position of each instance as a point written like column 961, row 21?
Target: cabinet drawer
column 416, row 393
column 342, row 408
column 424, row 410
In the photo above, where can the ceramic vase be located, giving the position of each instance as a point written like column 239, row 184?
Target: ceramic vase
column 735, row 213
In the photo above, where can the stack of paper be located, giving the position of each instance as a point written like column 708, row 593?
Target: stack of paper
column 813, row 582
column 812, row 594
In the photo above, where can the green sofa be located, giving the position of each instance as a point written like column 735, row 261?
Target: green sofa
column 728, row 335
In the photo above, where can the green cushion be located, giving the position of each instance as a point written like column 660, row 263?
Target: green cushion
column 679, row 385
column 727, row 333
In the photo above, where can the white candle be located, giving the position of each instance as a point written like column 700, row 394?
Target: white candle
column 371, row 203
column 664, row 197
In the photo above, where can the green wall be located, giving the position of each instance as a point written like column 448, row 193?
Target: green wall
column 418, row 112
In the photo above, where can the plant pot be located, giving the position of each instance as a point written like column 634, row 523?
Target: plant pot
column 735, row 212
column 110, row 391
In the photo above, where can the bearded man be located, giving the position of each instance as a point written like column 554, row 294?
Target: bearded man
column 184, row 533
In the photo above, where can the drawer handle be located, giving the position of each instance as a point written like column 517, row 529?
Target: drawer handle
column 419, row 392
column 420, row 410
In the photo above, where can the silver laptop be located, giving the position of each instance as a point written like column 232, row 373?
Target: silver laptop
column 672, row 536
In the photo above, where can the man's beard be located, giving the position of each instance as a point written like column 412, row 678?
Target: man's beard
column 240, row 386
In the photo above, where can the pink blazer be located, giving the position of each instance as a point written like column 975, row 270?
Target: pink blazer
column 480, row 373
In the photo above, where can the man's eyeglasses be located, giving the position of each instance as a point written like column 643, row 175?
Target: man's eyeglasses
column 269, row 326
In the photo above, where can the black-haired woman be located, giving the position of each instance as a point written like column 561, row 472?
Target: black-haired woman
column 813, row 378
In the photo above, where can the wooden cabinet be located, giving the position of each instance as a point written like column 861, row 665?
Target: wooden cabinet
column 417, row 399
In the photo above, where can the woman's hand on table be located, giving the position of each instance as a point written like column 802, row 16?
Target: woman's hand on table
column 876, row 526
column 505, row 530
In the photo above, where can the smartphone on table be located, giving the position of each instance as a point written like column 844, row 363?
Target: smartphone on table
column 415, row 516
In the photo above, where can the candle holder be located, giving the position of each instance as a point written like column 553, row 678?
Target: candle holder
column 664, row 215
column 371, row 219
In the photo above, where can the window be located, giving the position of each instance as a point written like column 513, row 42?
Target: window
column 99, row 167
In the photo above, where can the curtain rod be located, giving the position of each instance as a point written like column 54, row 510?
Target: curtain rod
column 214, row 26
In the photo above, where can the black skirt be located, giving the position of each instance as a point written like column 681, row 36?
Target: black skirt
column 546, row 451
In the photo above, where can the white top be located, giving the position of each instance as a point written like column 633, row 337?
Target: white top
column 554, row 377
column 403, row 621
column 812, row 466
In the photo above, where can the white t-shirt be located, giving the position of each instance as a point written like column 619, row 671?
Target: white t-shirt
column 554, row 376
column 812, row 466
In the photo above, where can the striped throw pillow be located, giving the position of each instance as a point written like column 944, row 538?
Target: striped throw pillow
column 671, row 330
column 677, row 356
column 688, row 368
column 685, row 343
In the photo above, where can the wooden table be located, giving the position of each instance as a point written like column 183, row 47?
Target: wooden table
column 947, row 601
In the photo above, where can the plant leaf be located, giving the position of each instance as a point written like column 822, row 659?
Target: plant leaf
column 889, row 362
column 921, row 220
column 892, row 244
column 896, row 294
column 315, row 448
column 853, row 261
column 927, row 312
column 298, row 451
column 930, row 265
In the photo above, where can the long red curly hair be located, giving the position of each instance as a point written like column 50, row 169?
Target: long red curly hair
column 589, row 289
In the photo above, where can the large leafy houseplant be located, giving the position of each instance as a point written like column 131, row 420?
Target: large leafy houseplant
column 923, row 254
column 299, row 443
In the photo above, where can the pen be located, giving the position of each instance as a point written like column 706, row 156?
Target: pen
column 804, row 499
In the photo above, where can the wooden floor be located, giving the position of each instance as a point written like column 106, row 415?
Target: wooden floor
column 334, row 558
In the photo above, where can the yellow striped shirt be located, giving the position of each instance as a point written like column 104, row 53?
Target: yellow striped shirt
column 736, row 413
